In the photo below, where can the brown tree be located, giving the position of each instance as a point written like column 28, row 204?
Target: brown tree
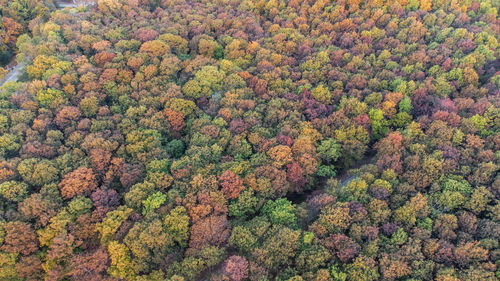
column 79, row 182
column 236, row 268
column 231, row 184
column 212, row 230
column 19, row 238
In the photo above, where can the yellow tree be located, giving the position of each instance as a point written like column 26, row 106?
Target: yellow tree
column 121, row 262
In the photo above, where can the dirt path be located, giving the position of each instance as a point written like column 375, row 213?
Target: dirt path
column 13, row 74
column 344, row 177
column 72, row 4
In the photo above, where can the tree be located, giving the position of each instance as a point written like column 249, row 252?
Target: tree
column 155, row 48
column 245, row 206
column 122, row 265
column 212, row 230
column 479, row 200
column 112, row 222
column 329, row 150
column 455, row 192
column 207, row 81
column 236, row 268
column 145, row 34
column 279, row 249
column 342, row 247
column 89, row 106
column 178, row 140
column 281, row 155
column 392, row 269
column 148, row 242
column 177, row 225
column 9, row 144
column 280, row 211
column 41, row 206
column 81, row 181
column 178, row 44
column 19, row 238
column 379, row 124
column 12, row 30
column 38, row 172
column 337, row 274
column 362, row 268
column 243, row 239
column 143, row 143
column 7, row 266
column 67, row 116
column 13, row 191
column 322, row 94
column 100, row 161
column 334, row 218
column 109, row 6
column 445, row 224
column 295, row 174
column 175, row 148
column 231, row 184
column 469, row 253
column 29, row 267
column 176, row 119
column 90, row 265
column 153, row 202
column 312, row 258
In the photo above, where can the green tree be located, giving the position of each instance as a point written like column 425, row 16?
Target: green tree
column 245, row 205
column 329, row 150
column 175, row 148
column 14, row 191
column 38, row 172
column 379, row 124
column 153, row 202
column 9, row 144
column 242, row 238
column 280, row 211
column 177, row 225
column 405, row 105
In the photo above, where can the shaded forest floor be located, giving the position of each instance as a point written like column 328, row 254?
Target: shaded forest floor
column 344, row 176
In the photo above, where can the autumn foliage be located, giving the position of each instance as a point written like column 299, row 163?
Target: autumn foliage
column 250, row 140
column 79, row 182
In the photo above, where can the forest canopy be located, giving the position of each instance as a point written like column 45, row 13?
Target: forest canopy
column 178, row 140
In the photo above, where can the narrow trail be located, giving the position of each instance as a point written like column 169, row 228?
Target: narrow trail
column 344, row 177
column 13, row 74
column 72, row 4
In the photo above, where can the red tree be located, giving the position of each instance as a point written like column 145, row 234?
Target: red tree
column 231, row 184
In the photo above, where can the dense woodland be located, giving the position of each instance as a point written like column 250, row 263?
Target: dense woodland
column 16, row 16
column 211, row 140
